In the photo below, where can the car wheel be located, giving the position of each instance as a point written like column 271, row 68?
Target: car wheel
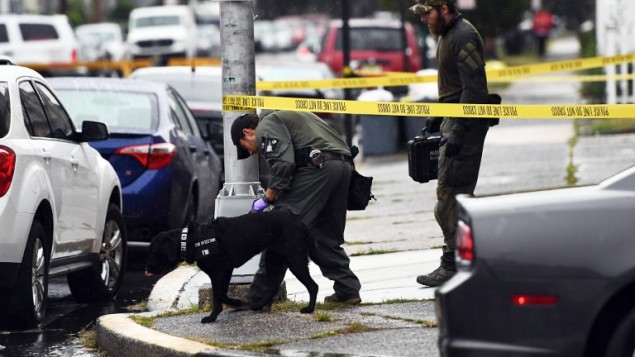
column 104, row 279
column 622, row 342
column 29, row 296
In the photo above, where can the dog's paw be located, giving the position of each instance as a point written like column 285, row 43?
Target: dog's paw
column 307, row 310
column 208, row 319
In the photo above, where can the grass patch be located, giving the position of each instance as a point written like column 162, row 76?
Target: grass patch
column 424, row 323
column 140, row 307
column 88, row 338
column 287, row 306
column 355, row 327
column 323, row 316
column 572, row 169
column 149, row 321
column 609, row 126
column 261, row 346
column 398, row 301
column 358, row 242
column 143, row 320
column 427, row 323
column 374, row 252
column 256, row 347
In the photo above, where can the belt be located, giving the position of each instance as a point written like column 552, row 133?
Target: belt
column 335, row 156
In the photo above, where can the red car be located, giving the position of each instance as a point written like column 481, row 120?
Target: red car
column 375, row 45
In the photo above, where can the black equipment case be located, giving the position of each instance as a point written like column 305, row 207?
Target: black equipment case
column 423, row 157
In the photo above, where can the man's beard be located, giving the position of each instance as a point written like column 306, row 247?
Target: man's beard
column 439, row 27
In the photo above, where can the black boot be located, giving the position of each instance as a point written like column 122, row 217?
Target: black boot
column 438, row 277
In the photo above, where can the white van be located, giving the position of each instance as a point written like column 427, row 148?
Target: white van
column 162, row 31
column 41, row 39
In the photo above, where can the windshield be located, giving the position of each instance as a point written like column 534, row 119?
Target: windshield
column 157, row 21
column 121, row 111
column 373, row 39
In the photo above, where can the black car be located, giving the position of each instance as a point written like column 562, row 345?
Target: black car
column 548, row 273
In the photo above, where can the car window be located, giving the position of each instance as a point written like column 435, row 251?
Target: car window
column 5, row 109
column 34, row 117
column 179, row 114
column 38, row 32
column 188, row 114
column 121, row 111
column 372, row 39
column 4, row 36
column 60, row 122
column 157, row 21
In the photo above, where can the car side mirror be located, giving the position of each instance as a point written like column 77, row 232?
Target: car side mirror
column 94, row 131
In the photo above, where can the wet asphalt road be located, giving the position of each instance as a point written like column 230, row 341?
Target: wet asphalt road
column 65, row 319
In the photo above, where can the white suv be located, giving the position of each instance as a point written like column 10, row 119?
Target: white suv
column 37, row 39
column 60, row 202
column 162, row 31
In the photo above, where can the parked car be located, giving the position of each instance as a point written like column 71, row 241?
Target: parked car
column 208, row 41
column 264, row 36
column 548, row 273
column 162, row 32
column 37, row 39
column 169, row 174
column 375, row 45
column 102, row 41
column 60, row 202
column 202, row 90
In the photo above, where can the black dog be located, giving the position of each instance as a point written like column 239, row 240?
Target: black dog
column 227, row 243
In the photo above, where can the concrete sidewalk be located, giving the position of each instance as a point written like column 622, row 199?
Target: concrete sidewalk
column 519, row 156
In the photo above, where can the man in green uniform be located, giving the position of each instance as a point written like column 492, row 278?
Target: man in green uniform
column 311, row 168
column 461, row 79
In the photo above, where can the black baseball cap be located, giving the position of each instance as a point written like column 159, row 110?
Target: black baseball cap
column 248, row 120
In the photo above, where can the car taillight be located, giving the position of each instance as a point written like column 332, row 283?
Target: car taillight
column 7, row 168
column 464, row 242
column 152, row 156
column 523, row 300
column 74, row 55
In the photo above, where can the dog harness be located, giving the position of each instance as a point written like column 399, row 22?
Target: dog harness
column 200, row 246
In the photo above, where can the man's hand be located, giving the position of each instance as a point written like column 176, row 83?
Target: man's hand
column 453, row 145
column 433, row 124
column 259, row 205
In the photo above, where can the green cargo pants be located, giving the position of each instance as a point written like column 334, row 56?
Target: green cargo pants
column 457, row 175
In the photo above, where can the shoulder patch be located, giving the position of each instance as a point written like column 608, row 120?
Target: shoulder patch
column 269, row 145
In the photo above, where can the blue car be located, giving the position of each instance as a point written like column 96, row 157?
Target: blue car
column 169, row 174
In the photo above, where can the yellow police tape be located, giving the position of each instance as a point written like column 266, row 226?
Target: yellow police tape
column 582, row 78
column 497, row 75
column 509, row 111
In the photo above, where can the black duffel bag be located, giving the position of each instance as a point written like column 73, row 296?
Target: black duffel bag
column 359, row 190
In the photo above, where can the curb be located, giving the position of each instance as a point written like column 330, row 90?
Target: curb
column 119, row 336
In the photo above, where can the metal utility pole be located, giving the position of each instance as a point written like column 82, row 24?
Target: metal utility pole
column 346, row 70
column 241, row 176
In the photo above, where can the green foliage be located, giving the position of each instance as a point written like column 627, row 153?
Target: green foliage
column 593, row 92
column 121, row 12
column 495, row 17
column 76, row 13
